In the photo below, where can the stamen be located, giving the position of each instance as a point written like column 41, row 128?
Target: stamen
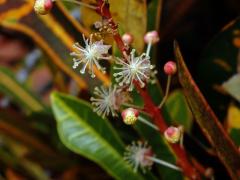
column 164, row 163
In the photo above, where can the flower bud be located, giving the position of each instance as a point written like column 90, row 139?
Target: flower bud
column 130, row 116
column 127, row 38
column 151, row 37
column 173, row 134
column 43, row 7
column 170, row 68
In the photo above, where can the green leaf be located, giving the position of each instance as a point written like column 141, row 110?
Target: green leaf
column 18, row 92
column 154, row 14
column 178, row 109
column 85, row 133
column 207, row 120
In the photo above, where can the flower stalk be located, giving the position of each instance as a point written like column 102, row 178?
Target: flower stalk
column 144, row 121
column 169, row 78
column 164, row 163
column 149, row 106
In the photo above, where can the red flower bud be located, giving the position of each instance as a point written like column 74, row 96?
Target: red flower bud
column 170, row 68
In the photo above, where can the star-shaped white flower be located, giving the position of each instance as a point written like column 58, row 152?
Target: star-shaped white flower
column 133, row 69
column 108, row 100
column 90, row 55
column 137, row 154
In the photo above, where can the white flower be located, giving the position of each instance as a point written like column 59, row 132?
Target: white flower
column 137, row 155
column 108, row 100
column 90, row 55
column 133, row 69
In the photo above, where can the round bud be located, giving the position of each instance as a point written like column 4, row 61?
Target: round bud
column 127, row 38
column 170, row 68
column 43, row 7
column 130, row 116
column 151, row 37
column 173, row 134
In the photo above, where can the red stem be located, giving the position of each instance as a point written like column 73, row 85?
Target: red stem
column 149, row 106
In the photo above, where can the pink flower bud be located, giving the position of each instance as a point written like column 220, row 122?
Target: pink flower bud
column 127, row 38
column 130, row 116
column 170, row 68
column 43, row 7
column 173, row 134
column 151, row 37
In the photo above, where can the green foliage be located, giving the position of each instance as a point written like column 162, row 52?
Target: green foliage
column 91, row 136
column 85, row 133
column 178, row 109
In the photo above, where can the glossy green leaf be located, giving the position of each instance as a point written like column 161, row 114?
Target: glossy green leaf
column 178, row 109
column 85, row 133
column 18, row 92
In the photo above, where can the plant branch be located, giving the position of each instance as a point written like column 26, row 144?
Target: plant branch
column 182, row 159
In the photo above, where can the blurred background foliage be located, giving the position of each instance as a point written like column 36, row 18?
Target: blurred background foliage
column 34, row 61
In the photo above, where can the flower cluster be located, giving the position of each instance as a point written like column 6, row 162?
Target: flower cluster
column 133, row 69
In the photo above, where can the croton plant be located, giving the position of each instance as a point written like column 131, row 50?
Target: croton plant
column 108, row 104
